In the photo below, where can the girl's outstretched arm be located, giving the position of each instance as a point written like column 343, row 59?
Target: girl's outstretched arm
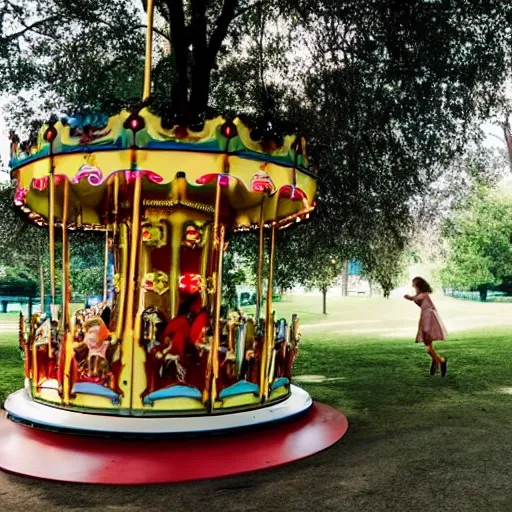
column 412, row 297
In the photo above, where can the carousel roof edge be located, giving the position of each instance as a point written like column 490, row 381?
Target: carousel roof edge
column 146, row 131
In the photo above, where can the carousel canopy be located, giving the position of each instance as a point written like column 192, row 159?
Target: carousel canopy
column 178, row 166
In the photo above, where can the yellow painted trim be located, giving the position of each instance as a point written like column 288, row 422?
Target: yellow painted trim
column 176, row 405
column 93, row 402
column 237, row 401
column 278, row 393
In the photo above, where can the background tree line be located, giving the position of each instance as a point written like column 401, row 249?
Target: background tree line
column 388, row 95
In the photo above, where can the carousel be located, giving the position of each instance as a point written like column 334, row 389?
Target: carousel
column 161, row 357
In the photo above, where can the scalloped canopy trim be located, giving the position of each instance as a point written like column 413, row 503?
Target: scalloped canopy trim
column 96, row 133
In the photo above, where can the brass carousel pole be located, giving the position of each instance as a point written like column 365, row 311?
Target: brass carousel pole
column 115, row 213
column 49, row 136
column 132, row 271
column 121, row 240
column 51, row 229
column 149, row 50
column 65, row 257
column 41, row 284
column 204, row 265
column 66, row 327
column 105, row 268
column 269, row 322
column 261, row 250
column 131, row 323
column 218, row 247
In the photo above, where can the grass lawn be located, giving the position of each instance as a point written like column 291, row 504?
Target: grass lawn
column 415, row 442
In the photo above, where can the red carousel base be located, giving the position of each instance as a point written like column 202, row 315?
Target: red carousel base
column 96, row 460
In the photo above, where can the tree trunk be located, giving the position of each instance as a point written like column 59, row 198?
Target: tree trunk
column 483, row 292
column 344, row 286
column 508, row 139
column 180, row 53
column 191, row 87
column 324, row 300
column 200, row 89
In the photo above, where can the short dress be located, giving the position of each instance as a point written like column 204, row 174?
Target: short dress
column 431, row 327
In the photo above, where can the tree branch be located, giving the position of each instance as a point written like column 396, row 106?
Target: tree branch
column 155, row 30
column 261, row 3
column 180, row 41
column 27, row 28
column 226, row 17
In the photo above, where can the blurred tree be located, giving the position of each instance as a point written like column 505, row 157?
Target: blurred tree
column 480, row 238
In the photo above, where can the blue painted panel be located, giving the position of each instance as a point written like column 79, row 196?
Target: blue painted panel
column 177, row 391
column 279, row 383
column 354, row 268
column 89, row 388
column 240, row 388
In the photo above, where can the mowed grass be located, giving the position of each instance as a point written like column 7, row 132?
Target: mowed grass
column 415, row 443
column 383, row 385
column 351, row 360
column 11, row 365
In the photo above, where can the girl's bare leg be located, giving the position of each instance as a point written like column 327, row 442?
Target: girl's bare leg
column 434, row 355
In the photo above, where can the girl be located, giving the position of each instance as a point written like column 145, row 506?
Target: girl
column 430, row 326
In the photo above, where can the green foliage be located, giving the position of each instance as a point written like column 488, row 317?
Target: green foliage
column 68, row 52
column 21, row 243
column 233, row 275
column 18, row 282
column 480, row 237
column 386, row 93
column 87, row 281
column 387, row 267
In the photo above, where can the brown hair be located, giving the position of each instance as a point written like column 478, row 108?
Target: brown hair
column 94, row 321
column 421, row 285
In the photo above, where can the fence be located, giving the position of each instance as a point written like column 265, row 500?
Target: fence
column 492, row 296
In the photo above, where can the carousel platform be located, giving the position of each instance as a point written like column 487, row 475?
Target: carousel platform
column 119, row 450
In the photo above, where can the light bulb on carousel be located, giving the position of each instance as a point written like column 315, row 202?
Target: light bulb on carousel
column 161, row 356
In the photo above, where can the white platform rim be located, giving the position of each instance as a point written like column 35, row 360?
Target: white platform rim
column 20, row 407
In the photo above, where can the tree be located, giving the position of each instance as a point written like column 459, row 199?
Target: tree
column 387, row 266
column 18, row 282
column 386, row 94
column 59, row 56
column 480, row 238
column 24, row 247
column 385, row 101
column 87, row 281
